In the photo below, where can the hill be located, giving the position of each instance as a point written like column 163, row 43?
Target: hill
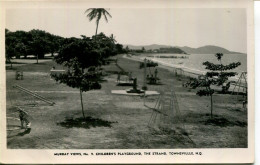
column 174, row 50
column 208, row 49
column 147, row 47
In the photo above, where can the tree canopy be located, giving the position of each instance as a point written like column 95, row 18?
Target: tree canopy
column 34, row 42
column 38, row 43
column 83, row 58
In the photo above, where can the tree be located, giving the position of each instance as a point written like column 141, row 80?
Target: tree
column 113, row 39
column 20, row 49
column 107, row 45
column 54, row 43
column 39, row 43
column 82, row 57
column 15, row 44
column 143, row 49
column 119, row 48
column 10, row 41
column 9, row 52
column 22, row 45
column 218, row 75
column 97, row 13
column 127, row 49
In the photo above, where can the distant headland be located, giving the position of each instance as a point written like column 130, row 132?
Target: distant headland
column 208, row 49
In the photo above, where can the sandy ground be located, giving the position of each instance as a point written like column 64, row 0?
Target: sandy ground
column 128, row 116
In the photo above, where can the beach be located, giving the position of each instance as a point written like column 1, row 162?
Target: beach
column 191, row 65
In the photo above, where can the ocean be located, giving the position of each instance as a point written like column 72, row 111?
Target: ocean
column 193, row 63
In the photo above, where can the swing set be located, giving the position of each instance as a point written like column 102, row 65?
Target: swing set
column 241, row 84
column 166, row 114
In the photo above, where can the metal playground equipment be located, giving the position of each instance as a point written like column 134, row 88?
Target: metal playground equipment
column 166, row 111
column 35, row 95
column 18, row 119
column 241, row 86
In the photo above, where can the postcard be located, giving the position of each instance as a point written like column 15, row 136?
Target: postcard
column 127, row 81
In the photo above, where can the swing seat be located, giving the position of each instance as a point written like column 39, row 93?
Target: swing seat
column 153, row 80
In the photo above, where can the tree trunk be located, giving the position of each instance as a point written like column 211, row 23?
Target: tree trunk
column 82, row 108
column 211, row 106
column 97, row 27
column 37, row 59
column 11, row 64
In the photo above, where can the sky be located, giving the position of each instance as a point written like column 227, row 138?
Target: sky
column 143, row 26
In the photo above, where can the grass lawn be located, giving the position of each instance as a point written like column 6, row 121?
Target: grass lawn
column 119, row 121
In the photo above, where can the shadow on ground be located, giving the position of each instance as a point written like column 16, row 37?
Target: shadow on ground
column 223, row 122
column 85, row 123
column 25, row 132
column 216, row 120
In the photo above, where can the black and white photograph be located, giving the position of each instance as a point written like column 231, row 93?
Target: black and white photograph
column 127, row 78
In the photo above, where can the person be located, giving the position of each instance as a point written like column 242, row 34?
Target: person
column 148, row 77
column 52, row 73
column 118, row 77
column 155, row 73
column 24, row 118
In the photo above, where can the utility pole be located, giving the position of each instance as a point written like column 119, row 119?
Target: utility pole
column 144, row 85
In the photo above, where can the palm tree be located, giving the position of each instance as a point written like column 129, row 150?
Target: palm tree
column 112, row 38
column 97, row 13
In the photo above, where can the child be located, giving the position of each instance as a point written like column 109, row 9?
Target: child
column 118, row 77
column 24, row 118
column 155, row 73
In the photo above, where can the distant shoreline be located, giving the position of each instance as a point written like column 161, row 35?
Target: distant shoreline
column 167, row 66
column 173, row 68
